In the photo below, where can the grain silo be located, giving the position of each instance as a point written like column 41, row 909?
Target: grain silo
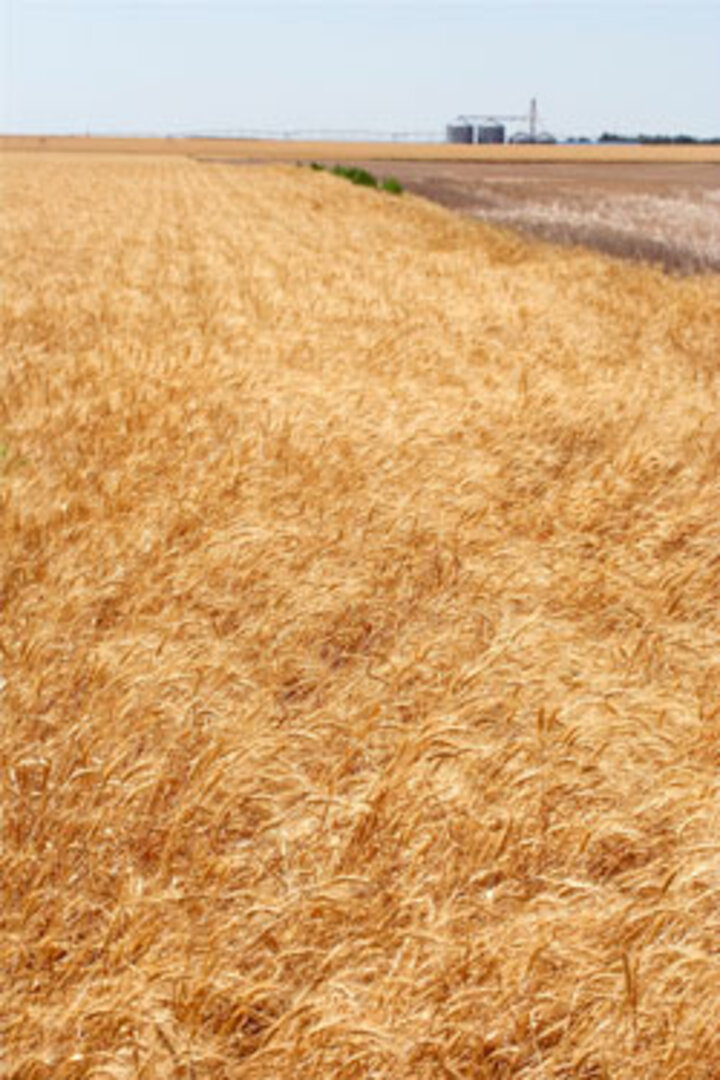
column 491, row 133
column 460, row 132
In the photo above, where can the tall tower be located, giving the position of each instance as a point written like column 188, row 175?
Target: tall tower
column 533, row 120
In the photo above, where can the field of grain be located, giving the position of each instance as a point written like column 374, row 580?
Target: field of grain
column 359, row 640
column 291, row 150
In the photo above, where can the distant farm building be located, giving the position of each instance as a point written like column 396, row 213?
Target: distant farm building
column 486, row 129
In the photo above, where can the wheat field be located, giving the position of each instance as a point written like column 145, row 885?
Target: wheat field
column 359, row 653
column 290, row 150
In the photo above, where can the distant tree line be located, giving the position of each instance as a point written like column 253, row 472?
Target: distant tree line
column 658, row 140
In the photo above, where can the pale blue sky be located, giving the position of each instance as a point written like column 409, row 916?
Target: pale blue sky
column 174, row 66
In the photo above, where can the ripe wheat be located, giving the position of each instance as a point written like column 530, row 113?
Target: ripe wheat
column 359, row 666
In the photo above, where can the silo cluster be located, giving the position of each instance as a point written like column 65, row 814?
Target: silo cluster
column 463, row 132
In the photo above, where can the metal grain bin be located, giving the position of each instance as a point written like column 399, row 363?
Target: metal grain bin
column 491, row 133
column 460, row 132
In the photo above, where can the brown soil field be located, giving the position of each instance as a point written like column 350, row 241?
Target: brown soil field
column 359, row 639
column 668, row 213
column 290, row 150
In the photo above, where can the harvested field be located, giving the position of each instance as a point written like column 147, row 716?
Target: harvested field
column 667, row 213
column 360, row 641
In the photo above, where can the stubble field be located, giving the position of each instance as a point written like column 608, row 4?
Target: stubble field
column 664, row 212
column 359, row 654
